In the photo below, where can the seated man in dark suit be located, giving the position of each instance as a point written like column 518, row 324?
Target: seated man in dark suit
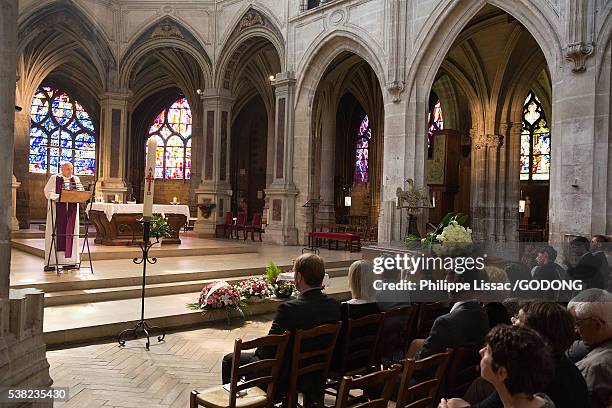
column 547, row 270
column 311, row 308
column 466, row 324
column 587, row 266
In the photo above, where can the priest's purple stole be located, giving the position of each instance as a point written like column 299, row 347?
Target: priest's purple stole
column 65, row 218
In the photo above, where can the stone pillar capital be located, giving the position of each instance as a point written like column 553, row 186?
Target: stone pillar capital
column 212, row 97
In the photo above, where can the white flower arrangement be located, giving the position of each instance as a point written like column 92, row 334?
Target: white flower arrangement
column 455, row 233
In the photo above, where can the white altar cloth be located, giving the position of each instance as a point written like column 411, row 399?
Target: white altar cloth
column 110, row 209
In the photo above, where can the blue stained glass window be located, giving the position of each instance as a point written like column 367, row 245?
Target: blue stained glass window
column 362, row 151
column 172, row 130
column 60, row 131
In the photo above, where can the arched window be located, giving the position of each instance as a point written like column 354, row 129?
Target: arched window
column 435, row 121
column 535, row 141
column 60, row 131
column 362, row 151
column 172, row 129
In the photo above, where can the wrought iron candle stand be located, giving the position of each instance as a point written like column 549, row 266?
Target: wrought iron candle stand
column 142, row 325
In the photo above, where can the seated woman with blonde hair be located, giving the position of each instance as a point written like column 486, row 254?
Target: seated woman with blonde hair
column 362, row 302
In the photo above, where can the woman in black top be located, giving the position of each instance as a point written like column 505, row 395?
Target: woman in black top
column 362, row 302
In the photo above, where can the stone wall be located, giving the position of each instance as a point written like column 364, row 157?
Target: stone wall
column 166, row 190
column 23, row 361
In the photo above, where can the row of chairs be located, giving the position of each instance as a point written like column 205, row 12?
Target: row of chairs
column 362, row 355
column 231, row 229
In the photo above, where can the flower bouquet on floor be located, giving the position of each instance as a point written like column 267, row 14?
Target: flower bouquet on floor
column 255, row 289
column 218, row 296
column 282, row 289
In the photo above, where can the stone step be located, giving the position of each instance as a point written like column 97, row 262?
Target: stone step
column 161, row 278
column 67, row 297
column 68, row 325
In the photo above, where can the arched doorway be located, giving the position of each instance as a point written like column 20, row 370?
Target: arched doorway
column 492, row 64
column 348, row 140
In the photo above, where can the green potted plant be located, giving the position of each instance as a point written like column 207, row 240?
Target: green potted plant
column 282, row 289
column 159, row 228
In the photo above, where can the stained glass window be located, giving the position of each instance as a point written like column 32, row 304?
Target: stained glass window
column 535, row 141
column 60, row 131
column 435, row 122
column 172, row 130
column 364, row 135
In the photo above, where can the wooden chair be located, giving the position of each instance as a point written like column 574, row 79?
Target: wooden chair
column 248, row 377
column 354, row 355
column 315, row 359
column 463, row 369
column 255, row 226
column 428, row 313
column 395, row 335
column 226, row 226
column 423, row 393
column 384, row 379
column 239, row 225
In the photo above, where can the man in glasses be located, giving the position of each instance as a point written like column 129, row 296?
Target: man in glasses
column 592, row 310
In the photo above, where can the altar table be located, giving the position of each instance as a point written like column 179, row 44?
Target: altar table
column 117, row 224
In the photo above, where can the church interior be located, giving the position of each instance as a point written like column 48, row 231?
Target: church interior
column 161, row 156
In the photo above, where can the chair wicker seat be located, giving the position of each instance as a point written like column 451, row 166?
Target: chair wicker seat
column 219, row 397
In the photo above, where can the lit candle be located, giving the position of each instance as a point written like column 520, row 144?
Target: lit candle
column 147, row 209
column 174, row 200
column 434, row 201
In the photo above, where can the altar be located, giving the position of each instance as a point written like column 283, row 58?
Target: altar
column 117, row 224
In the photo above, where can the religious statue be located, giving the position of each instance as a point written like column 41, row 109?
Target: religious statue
column 66, row 217
column 413, row 201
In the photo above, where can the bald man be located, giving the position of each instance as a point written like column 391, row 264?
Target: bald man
column 66, row 220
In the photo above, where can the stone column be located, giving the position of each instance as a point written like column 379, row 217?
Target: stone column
column 112, row 158
column 282, row 192
column 328, row 163
column 485, row 156
column 21, row 166
column 215, row 187
column 8, row 50
column 14, row 186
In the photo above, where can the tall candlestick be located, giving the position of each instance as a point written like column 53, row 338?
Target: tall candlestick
column 147, row 209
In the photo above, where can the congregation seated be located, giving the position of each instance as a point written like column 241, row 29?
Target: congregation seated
column 587, row 266
column 555, row 324
column 310, row 309
column 518, row 363
column 592, row 310
column 601, row 244
column 465, row 325
column 362, row 302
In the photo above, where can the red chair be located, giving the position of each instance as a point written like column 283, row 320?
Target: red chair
column 226, row 226
column 239, row 225
column 256, row 226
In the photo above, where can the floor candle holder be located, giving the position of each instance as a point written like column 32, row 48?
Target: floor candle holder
column 142, row 325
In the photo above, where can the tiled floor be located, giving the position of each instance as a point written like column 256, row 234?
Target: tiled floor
column 107, row 375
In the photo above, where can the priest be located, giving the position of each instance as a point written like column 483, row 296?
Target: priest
column 66, row 218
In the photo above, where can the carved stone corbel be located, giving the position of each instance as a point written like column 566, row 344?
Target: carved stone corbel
column 578, row 52
column 396, row 88
column 481, row 140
